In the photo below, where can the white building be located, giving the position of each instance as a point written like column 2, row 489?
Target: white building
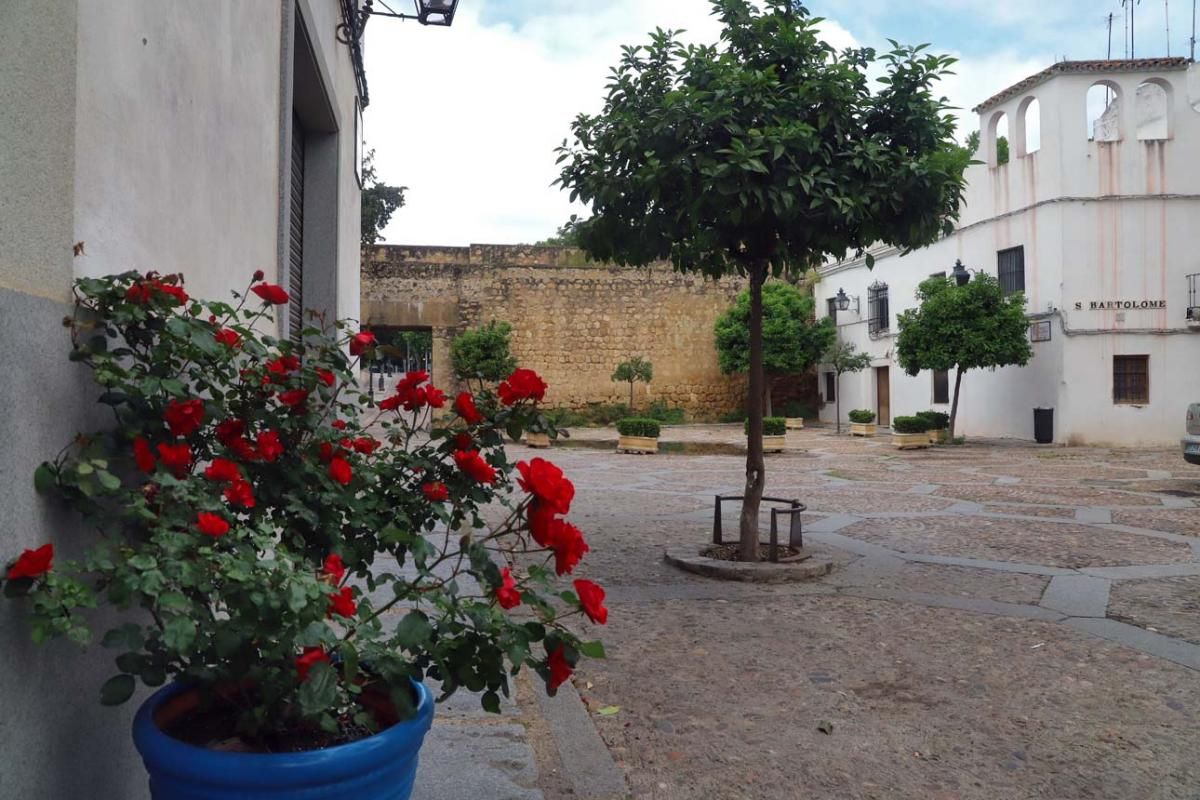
column 1096, row 216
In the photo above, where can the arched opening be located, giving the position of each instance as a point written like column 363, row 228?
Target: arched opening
column 1104, row 112
column 1029, row 127
column 1153, row 111
column 997, row 140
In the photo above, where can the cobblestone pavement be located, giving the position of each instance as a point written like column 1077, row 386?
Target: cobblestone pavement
column 1004, row 621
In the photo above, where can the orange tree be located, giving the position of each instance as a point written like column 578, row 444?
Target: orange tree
column 764, row 154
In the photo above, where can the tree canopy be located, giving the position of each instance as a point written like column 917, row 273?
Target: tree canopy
column 379, row 201
column 792, row 340
column 566, row 236
column 962, row 328
column 483, row 353
column 631, row 371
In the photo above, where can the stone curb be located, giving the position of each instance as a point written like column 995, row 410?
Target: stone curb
column 593, row 773
column 689, row 559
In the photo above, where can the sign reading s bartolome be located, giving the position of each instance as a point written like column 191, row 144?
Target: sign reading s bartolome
column 1121, row 305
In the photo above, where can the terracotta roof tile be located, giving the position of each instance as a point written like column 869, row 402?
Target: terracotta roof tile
column 1072, row 67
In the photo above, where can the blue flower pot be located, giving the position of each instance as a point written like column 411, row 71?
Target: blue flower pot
column 381, row 767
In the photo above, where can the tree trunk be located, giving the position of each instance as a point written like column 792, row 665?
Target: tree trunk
column 954, row 406
column 837, row 400
column 631, row 397
column 767, row 412
column 755, row 468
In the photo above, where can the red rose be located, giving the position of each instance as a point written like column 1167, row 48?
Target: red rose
column 569, row 548
column 473, row 465
column 342, row 603
column 546, row 483
column 223, row 470
column 506, row 593
column 464, row 406
column 271, row 293
column 309, row 659
column 391, row 403
column 325, row 377
column 435, row 492
column 242, row 448
column 361, row 342
column 175, row 292
column 333, row 570
column 411, row 380
column 463, row 441
column 229, row 429
column 560, row 670
column 339, row 424
column 241, row 493
column 591, row 597
column 523, row 384
column 339, row 470
column 541, row 523
column 183, row 418
column 176, row 457
column 280, row 367
column 365, row 445
column 325, row 452
column 227, row 337
column 143, row 456
column 138, row 293
column 211, row 524
column 32, row 563
column 269, row 446
column 259, row 275
column 436, row 398
column 293, row 398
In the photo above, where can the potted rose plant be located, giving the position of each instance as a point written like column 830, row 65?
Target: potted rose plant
column 290, row 559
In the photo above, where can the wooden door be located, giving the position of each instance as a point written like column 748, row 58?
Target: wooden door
column 883, row 397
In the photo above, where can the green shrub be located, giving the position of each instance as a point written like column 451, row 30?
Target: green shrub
column 606, row 413
column 938, row 420
column 665, row 414
column 565, row 418
column 772, row 426
column 862, row 416
column 797, row 408
column 732, row 416
column 638, row 426
column 482, row 354
column 909, row 424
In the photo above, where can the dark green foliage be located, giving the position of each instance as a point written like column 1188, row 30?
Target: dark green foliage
column 483, row 353
column 567, row 235
column 915, row 424
column 635, row 426
column 796, row 408
column 668, row 415
column 379, row 201
column 566, row 418
column 733, row 416
column 772, row 426
column 792, row 340
column 938, row 420
column 606, row 413
column 862, row 416
column 631, row 371
column 1001, row 147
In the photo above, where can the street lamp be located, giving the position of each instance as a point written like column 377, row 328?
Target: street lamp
column 960, row 274
column 842, row 300
column 438, row 13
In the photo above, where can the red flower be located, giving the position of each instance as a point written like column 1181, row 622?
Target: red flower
column 176, row 457
column 569, row 548
column 560, row 670
column 342, row 603
column 32, row 563
column 339, row 470
column 333, row 570
column 142, row 455
column 436, row 398
column 542, row 523
column 293, row 398
column 211, row 524
column 435, row 492
column 339, row 424
column 523, row 384
column 172, row 291
column 138, row 293
column 269, row 446
column 259, row 275
column 365, row 445
column 361, row 342
column 473, row 465
column 411, row 380
column 391, row 403
column 506, row 593
column 309, row 659
column 591, row 597
column 464, row 406
column 230, row 429
column 242, row 448
column 280, row 367
column 325, row 377
column 227, row 337
column 547, row 484
column 241, row 493
column 184, row 417
column 271, row 293
column 223, row 470
column 463, row 441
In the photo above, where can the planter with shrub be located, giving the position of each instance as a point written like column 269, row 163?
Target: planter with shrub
column 862, row 422
column 637, row 435
column 537, row 439
column 774, row 433
column 939, row 422
column 794, row 412
column 910, row 433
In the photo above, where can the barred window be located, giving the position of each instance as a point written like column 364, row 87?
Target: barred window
column 1131, row 380
column 941, row 386
column 831, row 307
column 830, row 387
column 878, row 318
column 1011, row 269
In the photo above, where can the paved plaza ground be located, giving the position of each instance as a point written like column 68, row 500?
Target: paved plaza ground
column 1005, row 621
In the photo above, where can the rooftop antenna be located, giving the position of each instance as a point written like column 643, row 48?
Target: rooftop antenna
column 1167, row 7
column 1110, row 22
column 1193, row 30
column 1125, row 6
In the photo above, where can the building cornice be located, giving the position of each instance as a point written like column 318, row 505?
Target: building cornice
column 1102, row 67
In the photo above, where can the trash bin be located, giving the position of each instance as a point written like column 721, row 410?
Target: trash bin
column 1043, row 425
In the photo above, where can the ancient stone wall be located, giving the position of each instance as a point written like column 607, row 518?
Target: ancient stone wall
column 573, row 321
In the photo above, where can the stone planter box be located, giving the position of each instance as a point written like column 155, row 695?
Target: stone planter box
column 637, row 444
column 862, row 428
column 910, row 441
column 774, row 444
column 537, row 439
column 795, row 423
column 938, row 437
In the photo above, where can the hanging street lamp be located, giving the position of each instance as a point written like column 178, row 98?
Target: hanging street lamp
column 842, row 300
column 960, row 274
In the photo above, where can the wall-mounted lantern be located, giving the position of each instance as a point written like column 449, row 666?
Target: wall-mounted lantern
column 842, row 301
column 960, row 274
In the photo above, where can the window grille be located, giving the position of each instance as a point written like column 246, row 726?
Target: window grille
column 1012, row 269
column 878, row 317
column 1131, row 380
column 830, row 387
column 1193, row 306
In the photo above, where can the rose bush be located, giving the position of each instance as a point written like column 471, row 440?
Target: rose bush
column 280, row 541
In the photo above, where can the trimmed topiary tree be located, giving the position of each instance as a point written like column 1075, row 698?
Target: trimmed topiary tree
column 483, row 354
column 637, row 426
column 914, row 424
column 631, row 371
column 862, row 416
column 845, row 357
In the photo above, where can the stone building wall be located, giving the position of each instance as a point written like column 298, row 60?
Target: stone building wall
column 573, row 321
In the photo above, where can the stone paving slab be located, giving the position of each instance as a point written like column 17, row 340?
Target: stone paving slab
column 476, row 761
column 1077, row 596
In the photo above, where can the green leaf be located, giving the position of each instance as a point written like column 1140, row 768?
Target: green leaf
column 608, row 711
column 414, row 630
column 43, row 478
column 319, row 690
column 130, row 662
column 490, row 702
column 592, row 649
column 117, row 689
column 178, row 634
column 108, row 480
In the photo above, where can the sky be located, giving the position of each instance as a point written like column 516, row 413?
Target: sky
column 467, row 117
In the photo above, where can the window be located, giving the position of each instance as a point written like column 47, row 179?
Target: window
column 831, row 307
column 878, row 318
column 1012, row 269
column 830, row 387
column 1153, row 111
column 1039, row 331
column 1104, row 112
column 941, row 274
column 1131, row 380
column 941, row 386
